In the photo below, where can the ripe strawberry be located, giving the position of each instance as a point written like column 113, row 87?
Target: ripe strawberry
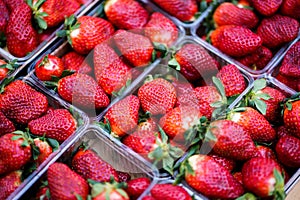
column 231, row 140
column 211, row 179
column 169, row 191
column 44, row 148
column 90, row 166
column 20, row 103
column 183, row 10
column 254, row 123
column 49, row 66
column 185, row 94
column 109, row 190
column 110, row 71
column 76, row 62
column 277, row 30
column 235, row 40
column 123, row 116
column 15, row 152
column 123, row 176
column 157, row 96
column 65, row 183
column 9, row 183
column 4, row 16
column 291, row 62
column 6, row 125
column 13, row 4
column 137, row 49
column 287, row 149
column 281, row 131
column 137, row 186
column 262, row 176
column 148, row 198
column 43, row 193
column 290, row 8
column 126, row 14
column 229, row 14
column 266, row 8
column 288, row 81
column 58, row 124
column 148, row 125
column 265, row 152
column 291, row 118
column 161, row 29
column 6, row 68
column 82, row 90
column 195, row 62
column 21, row 37
column 227, row 163
column 86, row 32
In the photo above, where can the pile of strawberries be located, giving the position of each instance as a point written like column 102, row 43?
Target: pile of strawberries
column 30, row 131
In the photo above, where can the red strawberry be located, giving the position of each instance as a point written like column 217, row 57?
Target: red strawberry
column 82, row 90
column 90, row 166
column 49, row 66
column 291, row 62
column 254, row 123
column 288, row 151
column 281, row 131
column 268, row 7
column 212, row 179
column 13, row 4
column 137, row 186
column 290, row 8
column 265, row 152
column 148, row 198
column 161, row 29
column 58, row 124
column 169, row 191
column 235, row 40
column 148, row 125
column 157, row 96
column 262, row 176
column 231, row 140
column 126, row 14
column 123, row 116
column 6, row 125
column 44, row 148
column 110, row 71
column 43, row 193
column 9, row 183
column 21, row 103
column 291, row 118
column 65, row 183
column 288, row 81
column 21, row 37
column 183, row 10
column 76, row 62
column 4, row 16
column 86, row 32
column 137, row 49
column 3, row 69
column 109, row 190
column 185, row 94
column 15, row 152
column 229, row 14
column 232, row 79
column 227, row 163
column 123, row 176
column 277, row 30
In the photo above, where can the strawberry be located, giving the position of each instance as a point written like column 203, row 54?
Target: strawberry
column 137, row 186
column 232, row 79
column 4, row 16
column 183, row 10
column 126, row 14
column 58, row 124
column 6, row 125
column 49, row 66
column 169, row 191
column 266, row 8
column 109, row 190
column 281, row 131
column 89, row 165
column 137, row 49
column 194, row 62
column 9, row 183
column 291, row 62
column 148, row 198
column 291, row 118
column 236, row 40
column 86, row 32
column 13, row 4
column 123, row 116
column 43, row 193
column 15, row 152
column 265, row 152
column 20, row 103
column 185, row 94
column 21, row 37
column 277, row 30
column 254, row 123
column 161, row 29
column 238, row 176
column 44, row 148
column 6, row 68
column 227, row 163
column 230, row 140
column 82, row 90
column 287, row 150
column 262, row 176
column 288, row 81
column 157, row 96
column 76, row 62
column 147, row 125
column 290, row 8
column 230, row 14
column 65, row 183
column 211, row 179
column 123, row 176
column 110, row 71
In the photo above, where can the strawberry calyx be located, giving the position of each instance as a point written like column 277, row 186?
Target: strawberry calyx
column 37, row 14
column 122, row 90
column 287, row 102
column 161, row 49
column 247, row 196
column 70, row 25
column 278, row 192
column 54, row 82
column 10, row 65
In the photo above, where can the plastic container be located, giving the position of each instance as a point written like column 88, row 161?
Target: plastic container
column 106, row 149
column 82, row 121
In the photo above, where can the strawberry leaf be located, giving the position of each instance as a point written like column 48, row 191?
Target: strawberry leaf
column 163, row 135
column 78, row 197
column 279, row 193
column 161, row 48
column 89, row 197
column 247, row 196
column 97, row 189
column 42, row 23
column 5, row 82
column 174, row 64
column 122, row 193
column 53, row 143
column 168, row 163
column 219, row 85
column 261, row 106
column 263, row 96
column 209, row 136
column 16, row 137
column 35, row 152
column 259, row 84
